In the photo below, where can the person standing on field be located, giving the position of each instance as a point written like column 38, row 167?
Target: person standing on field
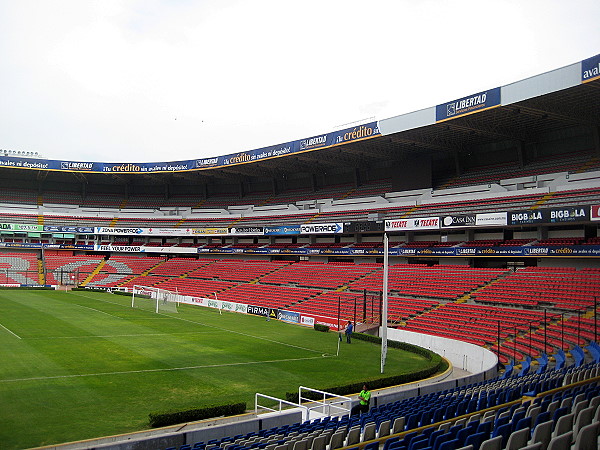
column 349, row 328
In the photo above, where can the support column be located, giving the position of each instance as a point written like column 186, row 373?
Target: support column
column 596, row 139
column 520, row 156
column 457, row 165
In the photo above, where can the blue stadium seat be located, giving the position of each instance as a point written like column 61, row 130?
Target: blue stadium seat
column 475, row 440
column 449, row 445
column 504, row 431
column 442, row 439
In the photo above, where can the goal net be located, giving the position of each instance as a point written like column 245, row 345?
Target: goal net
column 154, row 299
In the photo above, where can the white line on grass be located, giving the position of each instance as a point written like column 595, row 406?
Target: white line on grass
column 248, row 335
column 125, row 372
column 95, row 336
column 224, row 329
column 97, row 310
column 14, row 334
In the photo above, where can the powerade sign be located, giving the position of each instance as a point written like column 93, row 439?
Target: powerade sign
column 354, row 134
column 117, row 231
column 468, row 105
column 590, row 69
column 322, row 228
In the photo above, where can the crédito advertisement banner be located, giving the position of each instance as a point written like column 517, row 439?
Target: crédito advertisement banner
column 340, row 137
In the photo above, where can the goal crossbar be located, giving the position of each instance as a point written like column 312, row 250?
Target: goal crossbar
column 163, row 299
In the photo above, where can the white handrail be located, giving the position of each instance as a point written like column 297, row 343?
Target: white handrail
column 280, row 402
column 327, row 406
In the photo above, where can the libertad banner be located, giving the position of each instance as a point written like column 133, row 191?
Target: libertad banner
column 468, row 105
column 355, row 134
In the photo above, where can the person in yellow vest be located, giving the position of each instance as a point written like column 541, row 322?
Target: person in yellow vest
column 364, row 399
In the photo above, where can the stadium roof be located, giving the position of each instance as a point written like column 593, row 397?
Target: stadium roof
column 520, row 113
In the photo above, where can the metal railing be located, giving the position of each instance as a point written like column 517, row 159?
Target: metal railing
column 280, row 403
column 330, row 404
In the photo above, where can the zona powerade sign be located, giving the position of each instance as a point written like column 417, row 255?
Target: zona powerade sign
column 468, row 105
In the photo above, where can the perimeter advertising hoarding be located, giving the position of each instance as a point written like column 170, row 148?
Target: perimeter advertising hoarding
column 322, row 228
column 458, row 221
column 312, row 319
column 490, row 219
column 136, row 249
column 247, row 231
column 69, row 229
column 264, row 311
column 288, row 316
column 21, row 227
column 293, row 229
column 571, row 250
column 354, row 134
column 551, row 215
column 114, row 231
column 595, row 212
column 419, row 223
column 526, row 217
column 362, row 227
column 209, row 231
column 468, row 105
column 590, row 69
column 568, row 214
column 213, row 303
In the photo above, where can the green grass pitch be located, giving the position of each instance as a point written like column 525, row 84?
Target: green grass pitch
column 79, row 365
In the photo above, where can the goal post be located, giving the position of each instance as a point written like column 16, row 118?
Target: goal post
column 154, row 299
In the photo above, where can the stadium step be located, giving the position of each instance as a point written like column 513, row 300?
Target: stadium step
column 466, row 297
column 147, row 272
column 585, row 167
column 41, row 277
column 113, row 222
column 409, row 212
column 316, row 216
column 94, row 272
column 181, row 222
column 267, row 201
column 543, row 200
column 347, row 194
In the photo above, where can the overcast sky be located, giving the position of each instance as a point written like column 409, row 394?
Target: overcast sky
column 167, row 80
